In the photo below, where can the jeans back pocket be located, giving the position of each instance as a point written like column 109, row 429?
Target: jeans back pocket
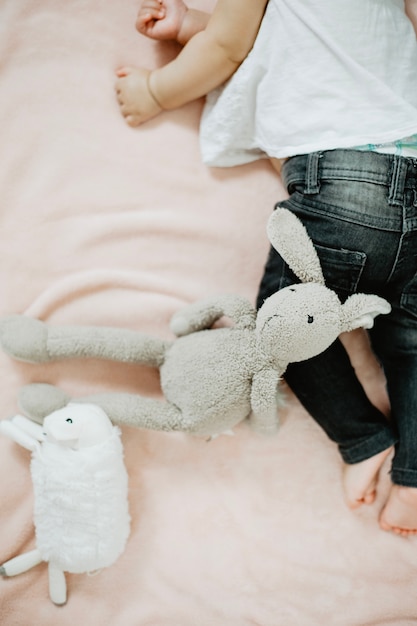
column 342, row 269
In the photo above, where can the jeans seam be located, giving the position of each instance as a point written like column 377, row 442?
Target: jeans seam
column 361, row 451
column 404, row 477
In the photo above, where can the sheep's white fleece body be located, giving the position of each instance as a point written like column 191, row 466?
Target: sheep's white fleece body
column 81, row 508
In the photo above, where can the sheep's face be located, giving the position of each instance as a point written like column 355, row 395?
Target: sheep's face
column 299, row 322
column 77, row 426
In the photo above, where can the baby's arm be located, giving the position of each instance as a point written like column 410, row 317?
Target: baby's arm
column 170, row 20
column 208, row 59
column 411, row 10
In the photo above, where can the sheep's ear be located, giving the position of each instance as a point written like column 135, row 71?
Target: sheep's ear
column 360, row 310
column 289, row 237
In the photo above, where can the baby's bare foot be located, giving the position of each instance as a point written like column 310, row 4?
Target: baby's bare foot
column 137, row 103
column 400, row 512
column 360, row 479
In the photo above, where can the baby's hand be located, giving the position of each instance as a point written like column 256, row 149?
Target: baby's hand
column 161, row 19
column 137, row 104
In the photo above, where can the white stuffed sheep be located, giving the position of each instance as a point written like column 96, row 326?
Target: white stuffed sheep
column 212, row 378
column 80, row 487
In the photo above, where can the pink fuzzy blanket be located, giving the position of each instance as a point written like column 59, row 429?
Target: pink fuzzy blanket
column 103, row 224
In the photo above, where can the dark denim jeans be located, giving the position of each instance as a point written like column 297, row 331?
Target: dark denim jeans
column 360, row 210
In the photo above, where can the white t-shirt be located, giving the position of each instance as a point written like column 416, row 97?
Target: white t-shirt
column 322, row 74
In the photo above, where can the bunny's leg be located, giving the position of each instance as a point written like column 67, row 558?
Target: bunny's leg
column 31, row 340
column 57, row 585
column 21, row 563
column 38, row 400
column 133, row 410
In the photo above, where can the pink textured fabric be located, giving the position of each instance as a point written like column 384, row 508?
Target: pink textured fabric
column 102, row 224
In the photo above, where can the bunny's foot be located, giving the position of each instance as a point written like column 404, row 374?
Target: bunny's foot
column 24, row 338
column 39, row 400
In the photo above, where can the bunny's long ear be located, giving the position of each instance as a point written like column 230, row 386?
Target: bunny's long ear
column 289, row 237
column 360, row 309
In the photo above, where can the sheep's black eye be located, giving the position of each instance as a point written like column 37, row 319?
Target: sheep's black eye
column 69, row 420
column 310, row 319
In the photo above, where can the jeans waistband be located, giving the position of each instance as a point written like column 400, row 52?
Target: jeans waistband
column 395, row 172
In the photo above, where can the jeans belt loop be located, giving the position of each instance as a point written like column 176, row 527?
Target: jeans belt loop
column 312, row 183
column 397, row 183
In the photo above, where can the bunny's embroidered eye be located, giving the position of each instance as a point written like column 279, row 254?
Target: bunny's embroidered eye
column 69, row 420
column 310, row 319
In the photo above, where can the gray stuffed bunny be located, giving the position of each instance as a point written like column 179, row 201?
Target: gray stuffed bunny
column 212, row 378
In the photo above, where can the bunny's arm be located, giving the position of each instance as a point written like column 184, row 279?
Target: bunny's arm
column 31, row 340
column 264, row 401
column 204, row 313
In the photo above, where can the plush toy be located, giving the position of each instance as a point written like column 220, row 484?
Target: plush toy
column 212, row 378
column 80, row 493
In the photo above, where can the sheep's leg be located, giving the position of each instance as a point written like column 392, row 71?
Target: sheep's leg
column 21, row 563
column 57, row 585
